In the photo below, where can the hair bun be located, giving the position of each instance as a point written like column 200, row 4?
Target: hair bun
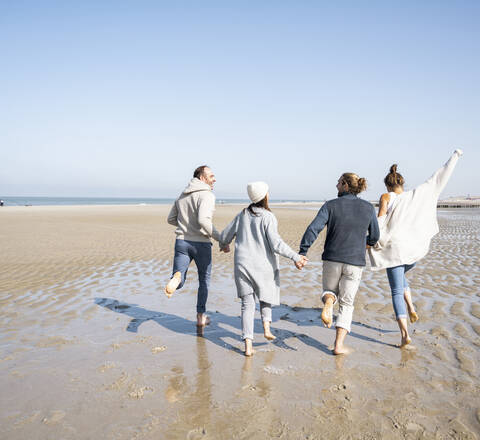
column 393, row 178
column 362, row 184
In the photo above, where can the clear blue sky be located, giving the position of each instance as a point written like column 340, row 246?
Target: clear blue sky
column 126, row 98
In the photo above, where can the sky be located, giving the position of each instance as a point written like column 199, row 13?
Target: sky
column 127, row 98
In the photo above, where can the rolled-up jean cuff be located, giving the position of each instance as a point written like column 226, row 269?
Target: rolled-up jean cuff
column 328, row 292
column 401, row 317
column 343, row 325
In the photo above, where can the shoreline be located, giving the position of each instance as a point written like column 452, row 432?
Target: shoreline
column 293, row 205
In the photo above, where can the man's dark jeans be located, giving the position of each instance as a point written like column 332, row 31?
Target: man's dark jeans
column 201, row 253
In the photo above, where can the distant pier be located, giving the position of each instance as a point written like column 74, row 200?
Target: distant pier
column 462, row 204
column 453, row 204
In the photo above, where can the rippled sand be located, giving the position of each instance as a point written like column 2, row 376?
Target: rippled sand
column 92, row 348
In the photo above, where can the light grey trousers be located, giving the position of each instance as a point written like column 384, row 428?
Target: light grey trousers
column 341, row 281
column 248, row 314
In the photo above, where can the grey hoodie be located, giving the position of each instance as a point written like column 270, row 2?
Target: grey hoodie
column 192, row 213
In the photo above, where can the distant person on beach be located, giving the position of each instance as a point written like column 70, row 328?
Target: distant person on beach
column 256, row 268
column 408, row 222
column 192, row 214
column 351, row 225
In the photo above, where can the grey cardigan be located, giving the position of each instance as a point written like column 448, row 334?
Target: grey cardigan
column 257, row 244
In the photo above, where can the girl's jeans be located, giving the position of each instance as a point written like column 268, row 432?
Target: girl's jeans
column 398, row 284
column 248, row 314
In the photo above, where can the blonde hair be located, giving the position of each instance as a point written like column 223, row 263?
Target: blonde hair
column 355, row 184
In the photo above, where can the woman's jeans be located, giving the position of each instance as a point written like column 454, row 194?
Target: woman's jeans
column 398, row 285
column 201, row 253
column 248, row 314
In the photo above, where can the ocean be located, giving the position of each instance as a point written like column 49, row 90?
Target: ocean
column 56, row 201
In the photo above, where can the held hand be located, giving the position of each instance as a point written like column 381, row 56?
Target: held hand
column 301, row 263
column 225, row 249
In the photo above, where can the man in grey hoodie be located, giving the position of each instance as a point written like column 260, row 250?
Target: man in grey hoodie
column 192, row 214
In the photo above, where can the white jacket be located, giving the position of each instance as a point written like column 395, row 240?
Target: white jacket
column 408, row 228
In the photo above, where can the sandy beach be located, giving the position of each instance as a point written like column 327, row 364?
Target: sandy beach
column 92, row 348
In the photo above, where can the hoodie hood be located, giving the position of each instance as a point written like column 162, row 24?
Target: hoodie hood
column 196, row 185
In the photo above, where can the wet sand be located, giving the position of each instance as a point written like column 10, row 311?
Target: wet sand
column 92, row 348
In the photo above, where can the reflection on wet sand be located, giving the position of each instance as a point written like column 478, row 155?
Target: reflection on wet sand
column 193, row 402
column 258, row 384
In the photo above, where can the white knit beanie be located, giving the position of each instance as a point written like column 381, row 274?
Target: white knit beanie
column 257, row 191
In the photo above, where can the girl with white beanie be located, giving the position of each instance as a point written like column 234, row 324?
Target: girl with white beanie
column 256, row 268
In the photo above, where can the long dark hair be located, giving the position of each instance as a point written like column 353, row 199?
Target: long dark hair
column 261, row 204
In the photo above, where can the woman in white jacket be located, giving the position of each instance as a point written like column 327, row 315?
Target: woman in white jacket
column 408, row 222
column 256, row 267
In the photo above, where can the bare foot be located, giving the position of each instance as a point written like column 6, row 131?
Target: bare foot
column 407, row 347
column 342, row 350
column 267, row 333
column 269, row 336
column 249, row 351
column 327, row 312
column 202, row 320
column 173, row 284
column 411, row 309
column 405, row 341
